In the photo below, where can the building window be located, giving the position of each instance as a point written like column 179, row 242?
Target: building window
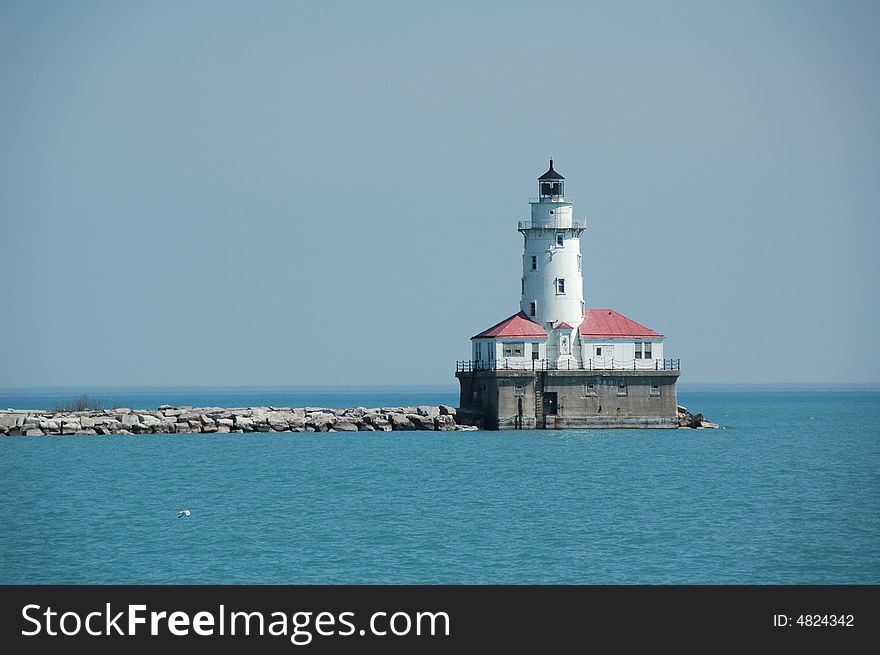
column 590, row 389
column 535, row 351
column 514, row 349
column 579, row 263
column 560, row 240
column 655, row 388
column 647, row 350
column 621, row 387
column 582, row 306
column 533, row 308
column 522, row 285
column 560, row 285
column 638, row 349
column 478, row 351
column 534, row 263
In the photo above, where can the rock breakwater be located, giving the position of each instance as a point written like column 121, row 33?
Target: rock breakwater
column 688, row 420
column 200, row 420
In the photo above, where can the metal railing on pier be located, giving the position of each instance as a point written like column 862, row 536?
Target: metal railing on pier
column 521, row 364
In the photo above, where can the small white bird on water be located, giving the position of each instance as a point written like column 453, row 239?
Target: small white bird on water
column 184, row 512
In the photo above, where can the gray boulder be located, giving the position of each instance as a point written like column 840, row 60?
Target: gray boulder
column 444, row 422
column 421, row 422
column 381, row 424
column 277, row 421
column 321, row 421
column 149, row 421
column 244, row 423
column 400, row 422
column 70, row 426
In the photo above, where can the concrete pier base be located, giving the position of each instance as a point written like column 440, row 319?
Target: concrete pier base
column 527, row 400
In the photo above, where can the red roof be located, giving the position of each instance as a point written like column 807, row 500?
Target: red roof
column 563, row 326
column 518, row 325
column 606, row 323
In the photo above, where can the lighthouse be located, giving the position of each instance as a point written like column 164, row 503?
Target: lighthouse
column 556, row 362
column 552, row 279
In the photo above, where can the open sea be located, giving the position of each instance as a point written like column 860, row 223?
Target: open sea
column 788, row 491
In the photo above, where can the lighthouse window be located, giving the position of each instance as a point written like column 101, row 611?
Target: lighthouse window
column 621, row 388
column 638, row 350
column 560, row 285
column 535, row 351
column 522, row 285
column 647, row 351
column 560, row 239
column 655, row 388
column 579, row 263
column 598, row 351
column 545, row 188
column 534, row 263
column 513, row 349
column 533, row 306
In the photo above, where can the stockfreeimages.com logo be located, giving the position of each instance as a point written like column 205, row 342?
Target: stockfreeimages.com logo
column 300, row 627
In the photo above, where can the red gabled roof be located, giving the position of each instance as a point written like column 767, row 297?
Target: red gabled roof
column 563, row 326
column 606, row 323
column 518, row 325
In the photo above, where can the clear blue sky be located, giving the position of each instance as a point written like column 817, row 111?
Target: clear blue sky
column 238, row 193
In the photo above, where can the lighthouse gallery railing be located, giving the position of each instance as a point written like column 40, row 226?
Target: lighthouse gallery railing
column 576, row 223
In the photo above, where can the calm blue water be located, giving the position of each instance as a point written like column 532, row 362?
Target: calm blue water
column 788, row 492
column 152, row 397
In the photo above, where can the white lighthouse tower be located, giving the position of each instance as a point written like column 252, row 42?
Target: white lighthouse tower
column 552, row 279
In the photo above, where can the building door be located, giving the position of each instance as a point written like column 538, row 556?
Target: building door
column 550, row 403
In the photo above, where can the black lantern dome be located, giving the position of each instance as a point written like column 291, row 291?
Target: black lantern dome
column 551, row 183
